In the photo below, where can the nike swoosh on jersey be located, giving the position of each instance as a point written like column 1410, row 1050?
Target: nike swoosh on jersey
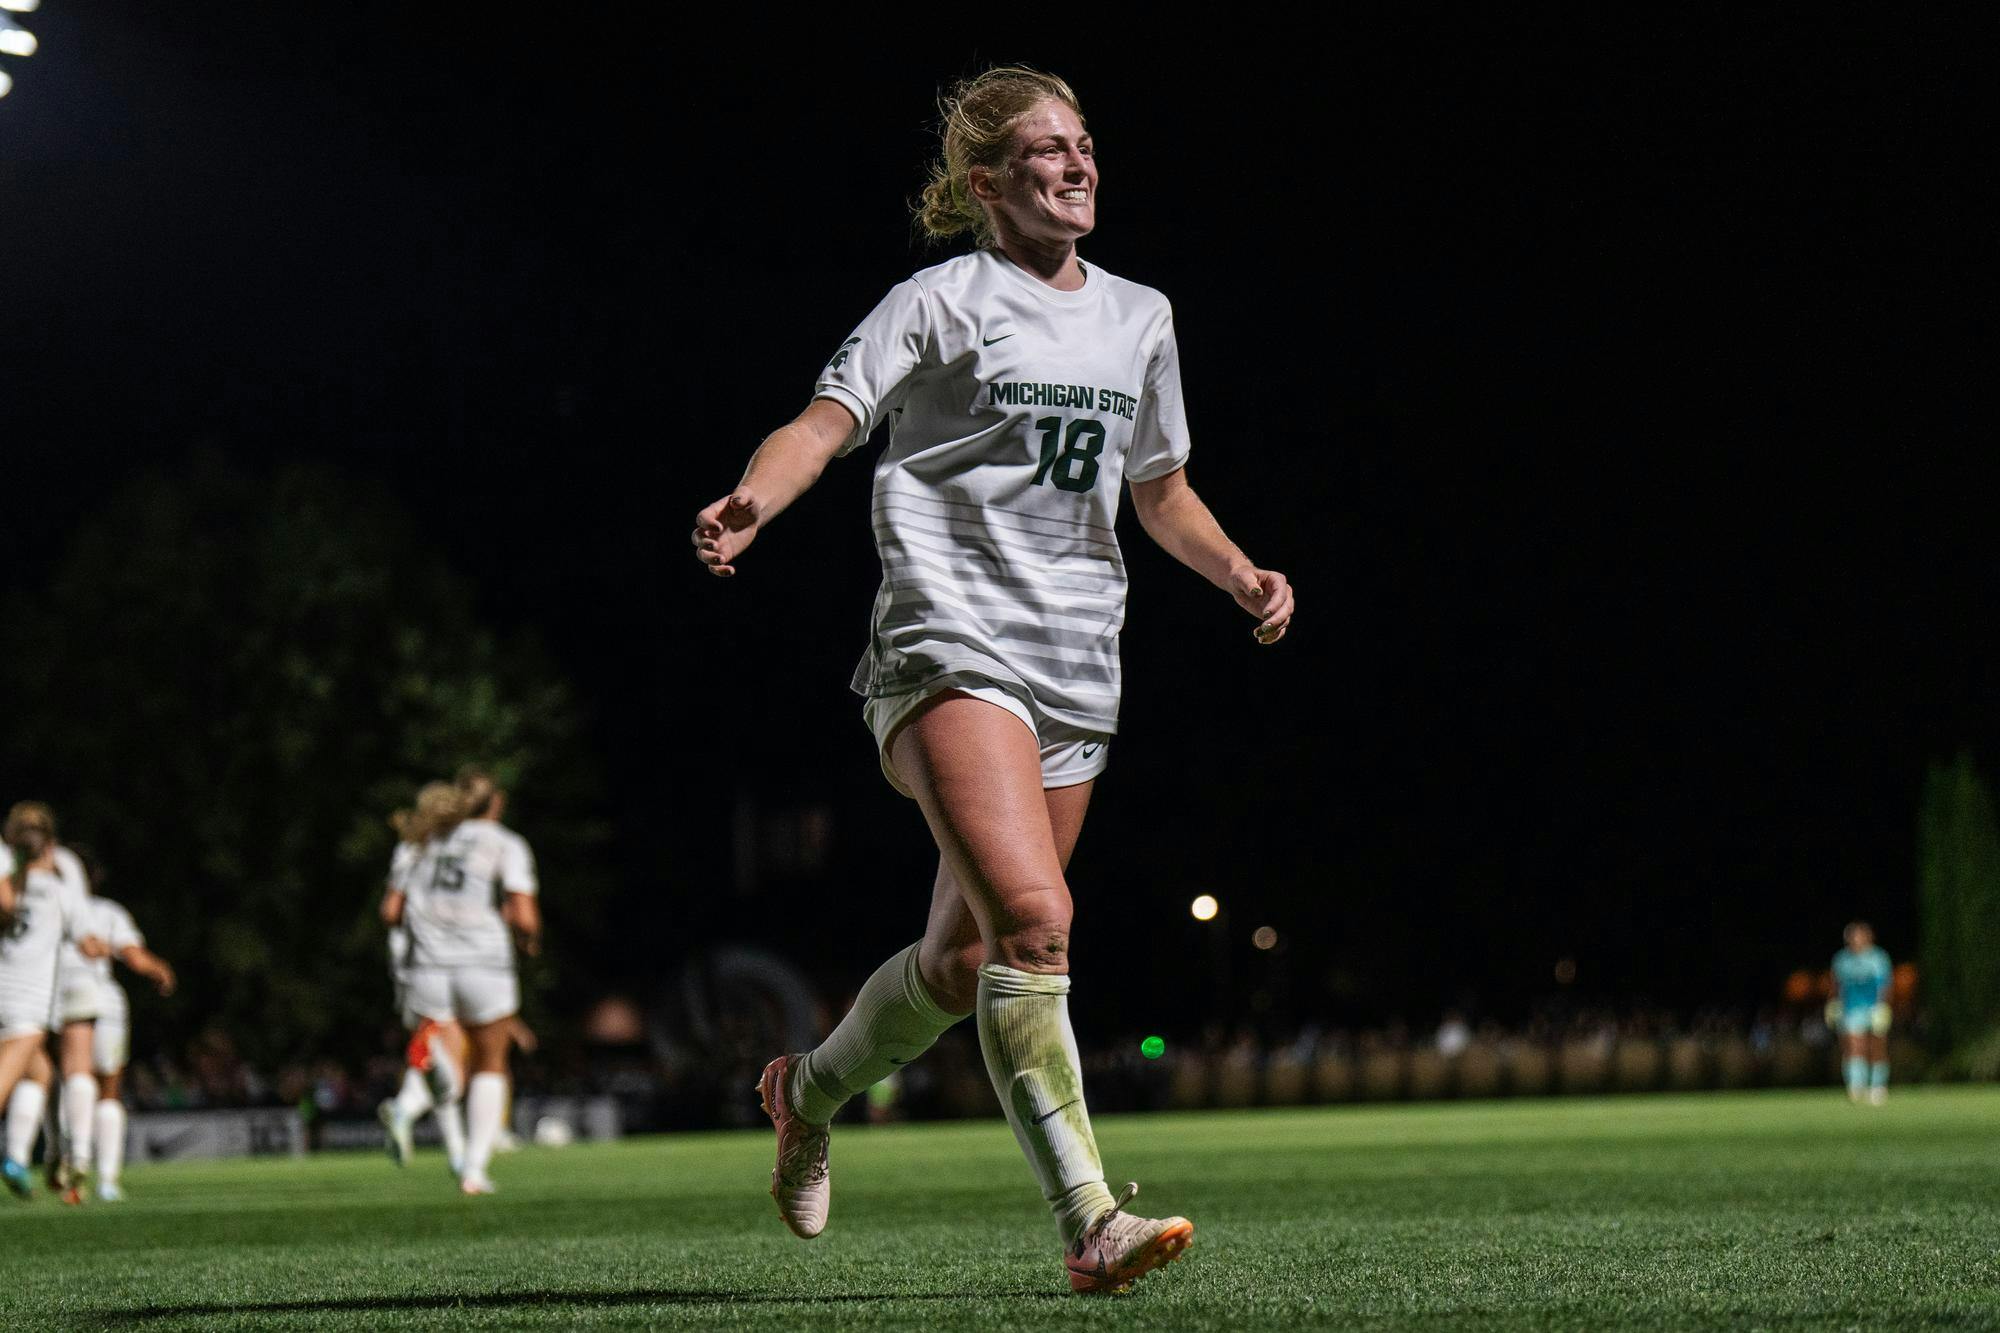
column 1090, row 750
column 988, row 342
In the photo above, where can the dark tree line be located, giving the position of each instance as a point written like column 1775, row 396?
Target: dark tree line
column 224, row 687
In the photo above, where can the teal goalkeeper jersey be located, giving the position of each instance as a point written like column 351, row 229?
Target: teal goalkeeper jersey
column 1863, row 978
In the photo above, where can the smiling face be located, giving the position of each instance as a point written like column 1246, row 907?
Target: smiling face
column 1047, row 193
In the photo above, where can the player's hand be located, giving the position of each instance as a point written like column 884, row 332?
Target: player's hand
column 1267, row 595
column 1879, row 1019
column 724, row 530
column 166, row 981
column 1833, row 1013
column 91, row 946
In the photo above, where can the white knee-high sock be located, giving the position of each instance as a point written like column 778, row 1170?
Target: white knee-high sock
column 894, row 1020
column 24, row 1119
column 451, row 1127
column 110, row 1140
column 414, row 1097
column 483, row 1102
column 1030, row 1052
column 79, row 1105
column 447, row 1082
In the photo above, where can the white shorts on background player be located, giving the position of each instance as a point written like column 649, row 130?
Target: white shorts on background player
column 1017, row 414
column 50, row 909
column 472, row 995
column 461, row 962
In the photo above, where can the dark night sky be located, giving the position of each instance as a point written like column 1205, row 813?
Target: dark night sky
column 1622, row 417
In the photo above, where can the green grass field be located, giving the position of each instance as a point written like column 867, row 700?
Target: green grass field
column 1779, row 1210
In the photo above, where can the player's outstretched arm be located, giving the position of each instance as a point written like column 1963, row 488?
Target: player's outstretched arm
column 150, row 966
column 1174, row 516
column 784, row 467
column 392, row 908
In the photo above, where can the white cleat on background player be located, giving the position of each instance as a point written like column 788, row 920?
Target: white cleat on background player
column 397, row 1132
column 475, row 1185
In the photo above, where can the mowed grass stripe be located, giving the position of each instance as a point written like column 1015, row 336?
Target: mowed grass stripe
column 1778, row 1210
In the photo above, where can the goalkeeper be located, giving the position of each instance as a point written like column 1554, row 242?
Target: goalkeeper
column 1859, row 1011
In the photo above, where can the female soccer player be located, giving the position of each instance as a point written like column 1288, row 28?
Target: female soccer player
column 43, row 892
column 1861, row 1013
column 1024, row 387
column 94, row 1042
column 434, row 1057
column 468, row 901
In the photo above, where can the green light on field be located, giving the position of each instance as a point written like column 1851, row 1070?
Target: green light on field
column 1153, row 1048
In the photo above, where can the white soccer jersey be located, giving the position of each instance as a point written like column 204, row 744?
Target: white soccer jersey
column 1017, row 412
column 452, row 902
column 111, row 923
column 48, row 909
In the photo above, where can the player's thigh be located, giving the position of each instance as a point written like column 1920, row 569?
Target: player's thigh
column 976, row 771
column 76, row 1043
column 491, row 1043
column 16, row 1051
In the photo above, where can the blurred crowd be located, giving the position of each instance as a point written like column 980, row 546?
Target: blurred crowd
column 663, row 1083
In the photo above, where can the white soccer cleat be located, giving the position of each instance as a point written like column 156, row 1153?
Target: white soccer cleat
column 800, row 1182
column 1117, row 1250
column 1877, row 1096
column 475, row 1185
column 109, row 1193
column 397, row 1132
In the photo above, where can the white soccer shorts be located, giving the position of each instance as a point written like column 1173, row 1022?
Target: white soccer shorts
column 1069, row 754
column 25, row 1008
column 471, row 995
column 78, row 999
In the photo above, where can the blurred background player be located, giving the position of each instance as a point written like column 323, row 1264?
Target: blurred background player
column 469, row 901
column 434, row 1056
column 1859, row 1011
column 94, row 1042
column 43, row 892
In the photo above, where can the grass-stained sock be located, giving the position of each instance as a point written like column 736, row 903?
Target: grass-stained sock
column 1030, row 1052
column 894, row 1020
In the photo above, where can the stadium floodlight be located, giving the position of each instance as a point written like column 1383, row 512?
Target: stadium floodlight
column 16, row 40
column 1204, row 908
column 21, row 6
column 6, row 84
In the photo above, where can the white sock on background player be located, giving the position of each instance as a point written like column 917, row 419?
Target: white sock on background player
column 451, row 1128
column 1030, row 1052
column 414, row 1097
column 894, row 1020
column 24, row 1119
column 110, row 1137
column 446, row 1083
column 484, row 1102
column 79, row 1107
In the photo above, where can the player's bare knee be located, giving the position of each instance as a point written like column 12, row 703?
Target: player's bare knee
column 1041, row 948
column 951, row 972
